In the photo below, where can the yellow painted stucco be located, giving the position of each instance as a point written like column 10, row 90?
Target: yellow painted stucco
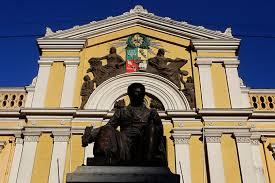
column 270, row 159
column 99, row 46
column 43, row 156
column 167, row 127
column 230, row 159
column 197, row 159
column 62, row 54
column 6, row 156
column 220, row 88
column 55, row 85
column 216, row 54
column 77, row 152
column 264, row 161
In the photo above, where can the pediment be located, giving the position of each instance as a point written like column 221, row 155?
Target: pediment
column 135, row 17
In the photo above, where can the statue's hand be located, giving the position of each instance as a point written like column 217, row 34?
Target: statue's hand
column 86, row 136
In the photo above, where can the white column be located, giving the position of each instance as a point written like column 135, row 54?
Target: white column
column 16, row 160
column 245, row 97
column 58, row 157
column 27, row 158
column 69, row 83
column 41, row 83
column 215, row 160
column 88, row 153
column 257, row 160
column 246, row 159
column 30, row 93
column 233, row 82
column 206, row 83
column 182, row 156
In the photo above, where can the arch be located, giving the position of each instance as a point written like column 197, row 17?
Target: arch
column 105, row 95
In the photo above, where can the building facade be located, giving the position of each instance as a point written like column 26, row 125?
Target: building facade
column 217, row 129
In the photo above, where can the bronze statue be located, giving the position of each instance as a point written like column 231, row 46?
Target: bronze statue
column 86, row 90
column 159, row 65
column 139, row 142
column 189, row 91
column 113, row 67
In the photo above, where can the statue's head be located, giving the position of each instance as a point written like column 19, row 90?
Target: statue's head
column 112, row 50
column 136, row 93
column 86, row 78
column 161, row 52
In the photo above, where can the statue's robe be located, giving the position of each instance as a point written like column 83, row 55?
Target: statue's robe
column 140, row 140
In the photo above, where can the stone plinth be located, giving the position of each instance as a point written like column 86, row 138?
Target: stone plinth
column 96, row 174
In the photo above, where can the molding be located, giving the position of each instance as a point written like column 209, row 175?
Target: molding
column 181, row 140
column 216, row 44
column 262, row 91
column 60, row 58
column 203, row 63
column 109, row 91
column 221, row 115
column 30, row 137
column 243, row 139
column 45, row 63
column 19, row 140
column 12, row 89
column 135, row 17
column 213, row 139
column 71, row 63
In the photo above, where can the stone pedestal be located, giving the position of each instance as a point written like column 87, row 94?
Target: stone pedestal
column 96, row 174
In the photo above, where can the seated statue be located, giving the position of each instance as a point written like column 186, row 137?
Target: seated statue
column 159, row 65
column 139, row 142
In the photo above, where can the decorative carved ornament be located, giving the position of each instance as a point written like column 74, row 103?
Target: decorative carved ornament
column 255, row 141
column 213, row 139
column 19, row 140
column 31, row 138
column 243, row 139
column 61, row 138
column 182, row 140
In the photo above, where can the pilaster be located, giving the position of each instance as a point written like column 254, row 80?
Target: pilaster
column 16, row 159
column 206, row 83
column 233, row 82
column 245, row 157
column 215, row 160
column 42, row 82
column 183, row 157
column 58, row 156
column 69, row 82
column 27, row 158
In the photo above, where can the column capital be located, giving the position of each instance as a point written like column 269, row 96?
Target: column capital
column 243, row 139
column 19, row 140
column 181, row 140
column 2, row 145
column 213, row 139
column 61, row 136
column 203, row 63
column 31, row 136
column 71, row 63
column 45, row 63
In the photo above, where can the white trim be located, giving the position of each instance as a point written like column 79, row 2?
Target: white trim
column 105, row 95
column 69, row 83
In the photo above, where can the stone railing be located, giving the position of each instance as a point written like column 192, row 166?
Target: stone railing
column 12, row 97
column 262, row 99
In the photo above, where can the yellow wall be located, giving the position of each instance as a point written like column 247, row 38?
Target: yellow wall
column 167, row 127
column 77, row 152
column 230, row 159
column 55, row 85
column 43, row 157
column 6, row 156
column 220, row 88
column 197, row 159
column 270, row 159
column 99, row 46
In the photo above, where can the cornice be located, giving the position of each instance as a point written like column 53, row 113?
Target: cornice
column 215, row 44
column 262, row 91
column 218, row 115
column 141, row 18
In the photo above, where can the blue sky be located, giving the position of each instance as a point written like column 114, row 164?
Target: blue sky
column 252, row 21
